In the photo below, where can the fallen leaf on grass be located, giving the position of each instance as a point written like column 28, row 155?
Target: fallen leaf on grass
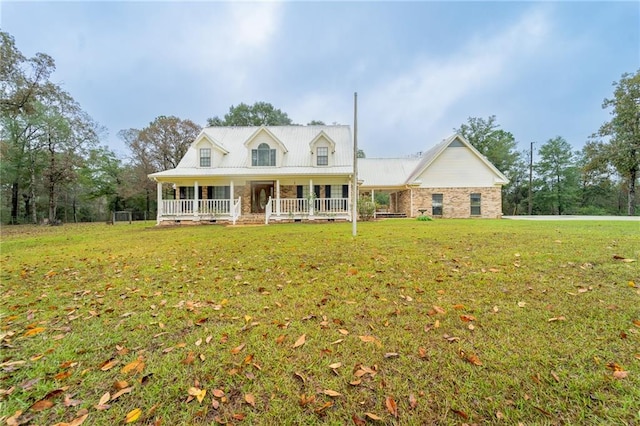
column 199, row 394
column 467, row 318
column 135, row 366
column 43, row 404
column 104, row 399
column 133, row 415
column 413, row 402
column 108, row 364
column 13, row 420
column 460, row 413
column 391, row 355
column 370, row 339
column 120, row 384
column 372, row 416
column 522, row 304
column 391, row 405
column 335, row 365
column 331, row 393
column 301, row 341
column 250, row 399
column 323, row 407
column 237, row 349
column 358, row 421
column 120, row 393
column 218, row 393
column 189, row 359
column 560, row 318
column 623, row 259
column 620, row 374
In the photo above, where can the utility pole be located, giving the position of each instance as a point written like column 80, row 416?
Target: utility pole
column 530, row 178
column 354, row 202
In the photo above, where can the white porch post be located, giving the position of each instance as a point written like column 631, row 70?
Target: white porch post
column 311, row 197
column 231, row 197
column 411, row 202
column 278, row 197
column 195, row 198
column 373, row 200
column 159, row 197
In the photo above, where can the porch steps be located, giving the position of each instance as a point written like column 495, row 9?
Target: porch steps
column 382, row 215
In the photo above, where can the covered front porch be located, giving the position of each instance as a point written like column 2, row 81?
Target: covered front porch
column 254, row 201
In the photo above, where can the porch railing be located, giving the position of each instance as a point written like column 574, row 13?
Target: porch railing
column 214, row 207
column 177, row 207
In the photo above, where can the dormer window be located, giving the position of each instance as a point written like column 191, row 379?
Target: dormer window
column 205, row 157
column 322, row 156
column 263, row 156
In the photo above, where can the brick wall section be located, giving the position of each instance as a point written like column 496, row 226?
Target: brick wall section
column 456, row 201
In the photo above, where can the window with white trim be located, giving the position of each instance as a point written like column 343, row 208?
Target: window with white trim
column 322, row 154
column 263, row 156
column 205, row 157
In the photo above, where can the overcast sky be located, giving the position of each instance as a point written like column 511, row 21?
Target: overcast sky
column 420, row 68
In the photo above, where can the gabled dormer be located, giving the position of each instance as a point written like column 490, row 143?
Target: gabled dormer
column 322, row 149
column 209, row 151
column 265, row 149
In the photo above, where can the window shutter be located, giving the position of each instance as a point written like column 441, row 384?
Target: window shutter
column 327, row 191
column 210, row 192
column 299, row 192
column 272, row 159
column 345, row 191
column 227, row 192
column 254, row 157
column 316, row 190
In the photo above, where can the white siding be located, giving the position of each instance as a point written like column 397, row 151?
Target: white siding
column 457, row 167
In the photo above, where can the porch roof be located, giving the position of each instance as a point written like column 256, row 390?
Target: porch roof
column 251, row 172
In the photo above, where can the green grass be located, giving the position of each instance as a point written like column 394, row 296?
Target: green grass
column 130, row 292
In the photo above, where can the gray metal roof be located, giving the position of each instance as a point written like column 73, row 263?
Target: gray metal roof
column 385, row 172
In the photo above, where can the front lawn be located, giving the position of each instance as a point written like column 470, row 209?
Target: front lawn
column 410, row 323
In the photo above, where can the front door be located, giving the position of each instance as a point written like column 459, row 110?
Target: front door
column 260, row 193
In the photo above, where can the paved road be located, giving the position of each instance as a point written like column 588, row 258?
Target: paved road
column 572, row 217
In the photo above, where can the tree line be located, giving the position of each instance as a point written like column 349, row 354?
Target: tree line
column 55, row 169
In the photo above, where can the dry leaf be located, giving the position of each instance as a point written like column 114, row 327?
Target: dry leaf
column 133, row 415
column 34, row 331
column 358, row 421
column 343, row 331
column 136, row 366
column 218, row 393
column 120, row 393
column 189, row 359
column 619, row 374
column 467, row 318
column 104, row 399
column 237, row 349
column 391, row 355
column 372, row 416
column 422, row 352
column 108, row 365
column 43, row 404
column 13, row 420
column 413, row 402
column 301, row 341
column 250, row 399
column 368, row 339
column 461, row 413
column 391, row 405
column 120, row 384
column 331, row 393
column 335, row 365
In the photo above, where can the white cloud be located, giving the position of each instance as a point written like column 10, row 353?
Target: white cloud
column 415, row 103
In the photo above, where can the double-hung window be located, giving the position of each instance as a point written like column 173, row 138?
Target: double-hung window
column 436, row 204
column 476, row 201
column 263, row 156
column 322, row 154
column 205, row 157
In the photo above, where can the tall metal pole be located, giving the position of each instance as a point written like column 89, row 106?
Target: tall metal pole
column 354, row 201
column 530, row 178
